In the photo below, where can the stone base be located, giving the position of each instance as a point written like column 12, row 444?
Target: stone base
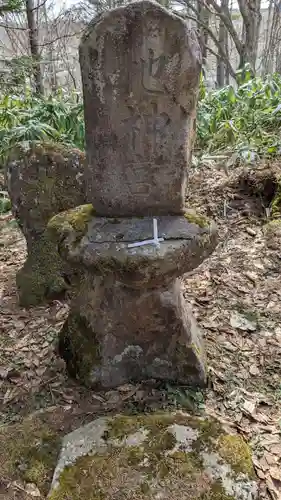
column 167, row 456
column 116, row 334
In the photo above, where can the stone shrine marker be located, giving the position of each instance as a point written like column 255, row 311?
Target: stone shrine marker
column 129, row 320
column 140, row 67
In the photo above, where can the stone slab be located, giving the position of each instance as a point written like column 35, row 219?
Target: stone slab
column 140, row 69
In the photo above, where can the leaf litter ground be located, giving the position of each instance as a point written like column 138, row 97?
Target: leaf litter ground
column 235, row 296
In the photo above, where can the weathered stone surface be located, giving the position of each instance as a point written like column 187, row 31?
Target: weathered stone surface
column 41, row 182
column 104, row 247
column 140, row 68
column 163, row 456
column 115, row 334
column 129, row 320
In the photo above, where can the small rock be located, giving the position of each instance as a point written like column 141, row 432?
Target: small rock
column 242, row 323
column 254, row 370
column 8, row 373
column 126, row 388
column 32, row 490
column 113, row 397
column 250, row 231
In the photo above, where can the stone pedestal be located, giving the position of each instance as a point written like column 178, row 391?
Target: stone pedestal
column 129, row 320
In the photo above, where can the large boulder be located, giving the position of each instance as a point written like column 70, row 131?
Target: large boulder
column 167, row 456
column 43, row 180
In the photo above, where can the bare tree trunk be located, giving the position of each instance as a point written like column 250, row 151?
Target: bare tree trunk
column 220, row 62
column 203, row 17
column 227, row 74
column 251, row 13
column 33, row 44
column 222, row 72
column 50, row 57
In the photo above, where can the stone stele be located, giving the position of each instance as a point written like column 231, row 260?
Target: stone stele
column 140, row 69
column 165, row 456
column 129, row 320
column 42, row 181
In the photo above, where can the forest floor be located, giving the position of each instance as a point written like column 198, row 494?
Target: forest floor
column 236, row 297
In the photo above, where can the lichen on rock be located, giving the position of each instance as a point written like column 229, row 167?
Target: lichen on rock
column 41, row 276
column 158, row 455
column 43, row 180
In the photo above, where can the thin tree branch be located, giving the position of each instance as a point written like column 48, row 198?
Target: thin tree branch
column 215, row 40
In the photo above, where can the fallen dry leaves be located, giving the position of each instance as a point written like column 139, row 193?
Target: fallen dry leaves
column 236, row 298
column 241, row 321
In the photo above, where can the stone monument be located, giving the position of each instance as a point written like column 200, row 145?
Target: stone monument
column 43, row 180
column 129, row 321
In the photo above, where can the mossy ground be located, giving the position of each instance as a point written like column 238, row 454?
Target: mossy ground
column 29, row 451
column 139, row 471
column 236, row 452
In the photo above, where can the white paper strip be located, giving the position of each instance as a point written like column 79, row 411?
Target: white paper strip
column 156, row 241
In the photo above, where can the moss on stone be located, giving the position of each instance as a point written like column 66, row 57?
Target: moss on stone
column 48, row 183
column 75, row 219
column 195, row 218
column 217, row 492
column 124, row 425
column 29, row 451
column 41, row 276
column 276, row 202
column 79, row 347
column 153, row 458
column 136, row 471
column 209, row 430
column 236, row 452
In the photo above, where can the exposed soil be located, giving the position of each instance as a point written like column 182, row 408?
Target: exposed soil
column 235, row 296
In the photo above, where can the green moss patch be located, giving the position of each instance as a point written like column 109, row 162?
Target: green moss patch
column 195, row 218
column 217, row 493
column 75, row 219
column 29, row 451
column 236, row 452
column 79, row 347
column 41, row 277
column 155, row 461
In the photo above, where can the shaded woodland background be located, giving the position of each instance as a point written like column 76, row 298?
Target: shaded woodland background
column 239, row 111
